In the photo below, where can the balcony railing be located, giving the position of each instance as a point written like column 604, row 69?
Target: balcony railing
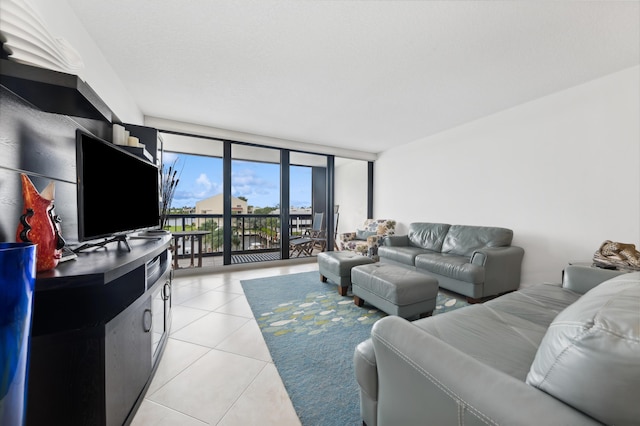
column 251, row 233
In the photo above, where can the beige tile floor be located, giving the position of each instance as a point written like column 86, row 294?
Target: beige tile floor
column 216, row 368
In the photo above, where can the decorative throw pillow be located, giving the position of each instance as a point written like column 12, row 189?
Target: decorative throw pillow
column 589, row 357
column 363, row 235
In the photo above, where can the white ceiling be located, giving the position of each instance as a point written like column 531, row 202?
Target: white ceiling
column 360, row 75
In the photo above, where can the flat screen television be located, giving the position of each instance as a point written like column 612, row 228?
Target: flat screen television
column 118, row 192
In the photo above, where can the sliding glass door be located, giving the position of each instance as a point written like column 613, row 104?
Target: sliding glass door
column 308, row 192
column 255, row 204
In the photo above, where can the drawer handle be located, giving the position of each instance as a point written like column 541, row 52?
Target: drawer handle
column 166, row 291
column 147, row 320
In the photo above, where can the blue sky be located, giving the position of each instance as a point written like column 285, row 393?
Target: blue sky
column 201, row 177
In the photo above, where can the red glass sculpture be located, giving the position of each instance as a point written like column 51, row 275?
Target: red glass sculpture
column 39, row 224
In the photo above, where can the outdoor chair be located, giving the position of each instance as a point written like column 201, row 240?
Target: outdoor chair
column 303, row 244
column 320, row 241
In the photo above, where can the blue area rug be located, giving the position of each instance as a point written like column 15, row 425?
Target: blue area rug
column 312, row 332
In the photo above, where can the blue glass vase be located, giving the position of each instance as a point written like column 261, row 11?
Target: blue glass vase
column 17, row 281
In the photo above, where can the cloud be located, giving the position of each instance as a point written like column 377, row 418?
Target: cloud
column 201, row 189
column 245, row 183
column 205, row 188
column 203, row 181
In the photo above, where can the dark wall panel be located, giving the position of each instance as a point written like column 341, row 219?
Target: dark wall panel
column 11, row 204
column 319, row 188
column 42, row 145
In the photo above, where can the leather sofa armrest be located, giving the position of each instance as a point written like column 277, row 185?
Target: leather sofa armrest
column 364, row 362
column 423, row 380
column 502, row 267
column 581, row 278
column 396, row 240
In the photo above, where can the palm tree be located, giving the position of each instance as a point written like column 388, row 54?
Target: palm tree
column 235, row 241
column 213, row 238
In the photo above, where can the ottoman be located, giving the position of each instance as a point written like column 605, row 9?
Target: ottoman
column 394, row 289
column 336, row 266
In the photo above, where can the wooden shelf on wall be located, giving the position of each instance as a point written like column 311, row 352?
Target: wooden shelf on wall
column 54, row 91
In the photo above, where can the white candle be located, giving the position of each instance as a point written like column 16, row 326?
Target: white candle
column 118, row 135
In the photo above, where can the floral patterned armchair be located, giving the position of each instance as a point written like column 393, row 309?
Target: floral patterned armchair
column 367, row 240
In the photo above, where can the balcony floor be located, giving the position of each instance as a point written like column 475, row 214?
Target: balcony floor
column 236, row 259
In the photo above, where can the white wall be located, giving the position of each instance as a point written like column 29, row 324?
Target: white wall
column 351, row 194
column 61, row 21
column 562, row 171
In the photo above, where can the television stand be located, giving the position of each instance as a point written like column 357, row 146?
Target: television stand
column 98, row 336
column 117, row 238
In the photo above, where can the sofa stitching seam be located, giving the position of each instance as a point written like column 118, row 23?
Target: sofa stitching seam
column 563, row 353
column 481, row 416
column 593, row 327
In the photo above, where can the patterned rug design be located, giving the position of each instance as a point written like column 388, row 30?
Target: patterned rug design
column 311, row 332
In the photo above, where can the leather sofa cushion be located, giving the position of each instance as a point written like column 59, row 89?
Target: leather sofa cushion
column 452, row 266
column 502, row 341
column 463, row 240
column 405, row 255
column 428, row 236
column 590, row 355
column 538, row 303
column 504, row 332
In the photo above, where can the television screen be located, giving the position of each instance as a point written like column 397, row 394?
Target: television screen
column 117, row 191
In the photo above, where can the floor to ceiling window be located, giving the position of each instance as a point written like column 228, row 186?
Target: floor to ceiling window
column 249, row 201
column 197, row 200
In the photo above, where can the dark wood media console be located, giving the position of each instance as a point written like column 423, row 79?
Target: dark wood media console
column 100, row 325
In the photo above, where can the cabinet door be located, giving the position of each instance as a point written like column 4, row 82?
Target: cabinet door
column 127, row 359
column 66, row 379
